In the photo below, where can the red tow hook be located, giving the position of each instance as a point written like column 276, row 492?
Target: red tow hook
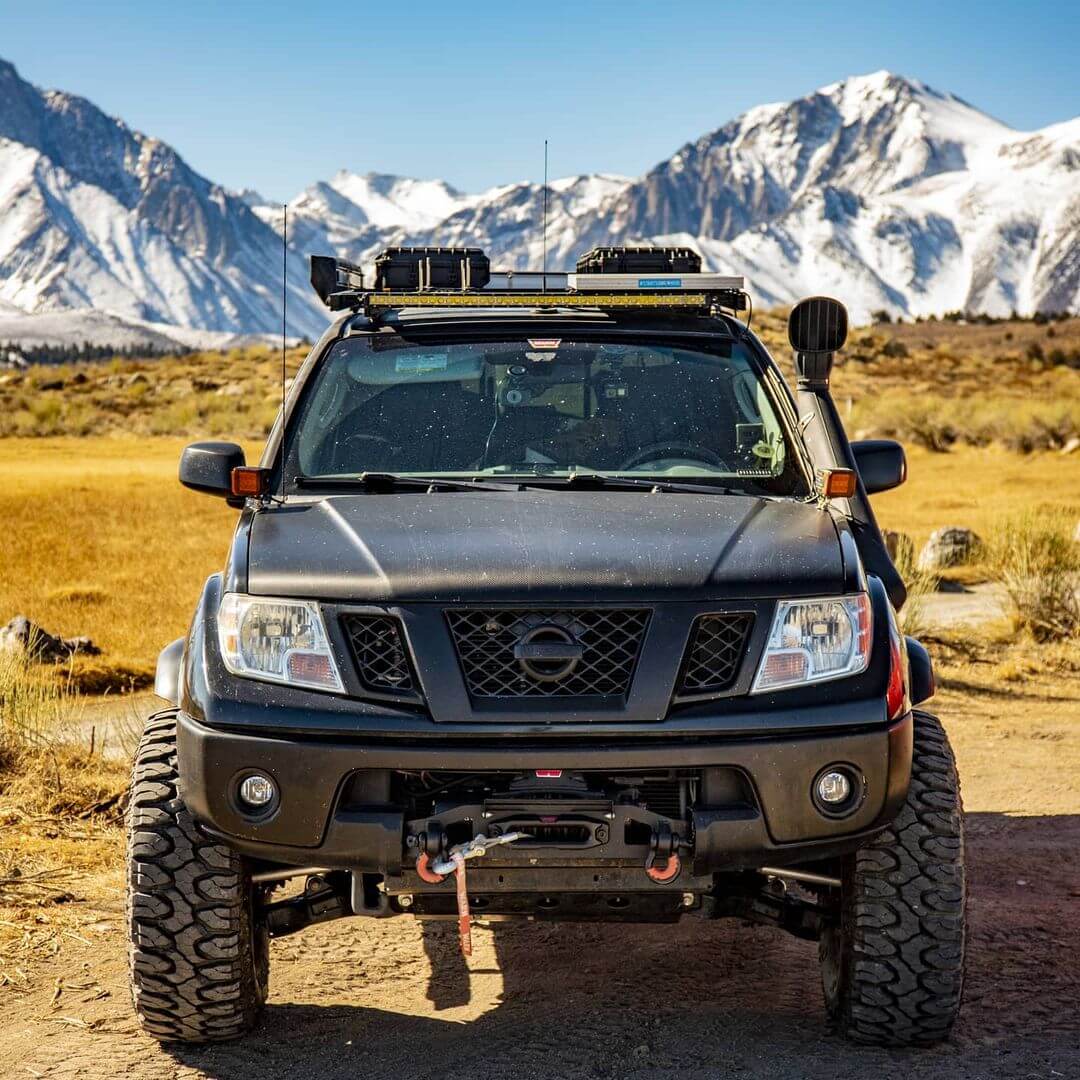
column 662, row 874
column 423, row 873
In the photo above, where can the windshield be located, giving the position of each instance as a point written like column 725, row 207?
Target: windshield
column 543, row 407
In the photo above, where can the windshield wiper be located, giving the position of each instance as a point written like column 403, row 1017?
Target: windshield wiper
column 386, row 482
column 595, row 481
column 575, row 481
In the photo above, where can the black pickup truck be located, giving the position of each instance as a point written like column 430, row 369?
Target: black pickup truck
column 549, row 599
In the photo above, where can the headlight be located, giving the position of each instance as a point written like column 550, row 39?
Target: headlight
column 281, row 641
column 815, row 640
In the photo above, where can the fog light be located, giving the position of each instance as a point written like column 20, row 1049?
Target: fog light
column 257, row 791
column 833, row 788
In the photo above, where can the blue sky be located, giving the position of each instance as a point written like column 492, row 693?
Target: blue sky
column 276, row 95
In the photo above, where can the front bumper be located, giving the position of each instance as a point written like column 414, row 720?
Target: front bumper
column 314, row 825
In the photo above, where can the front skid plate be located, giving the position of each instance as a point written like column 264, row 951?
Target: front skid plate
column 563, row 906
column 551, row 879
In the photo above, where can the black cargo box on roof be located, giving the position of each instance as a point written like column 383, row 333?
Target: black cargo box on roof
column 639, row 260
column 414, row 268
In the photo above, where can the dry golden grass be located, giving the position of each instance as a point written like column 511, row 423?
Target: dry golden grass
column 978, row 488
column 101, row 539
column 60, row 808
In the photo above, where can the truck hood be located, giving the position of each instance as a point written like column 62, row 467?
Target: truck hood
column 537, row 544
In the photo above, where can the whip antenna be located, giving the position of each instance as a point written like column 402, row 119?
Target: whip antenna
column 543, row 276
column 284, row 309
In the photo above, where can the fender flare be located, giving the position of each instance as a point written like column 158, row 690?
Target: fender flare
column 920, row 671
column 167, row 676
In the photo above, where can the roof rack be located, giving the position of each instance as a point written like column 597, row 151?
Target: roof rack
column 621, row 279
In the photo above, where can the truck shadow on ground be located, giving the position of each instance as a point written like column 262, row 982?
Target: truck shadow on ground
column 695, row 999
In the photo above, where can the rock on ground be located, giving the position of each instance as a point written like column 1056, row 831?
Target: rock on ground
column 951, row 546
column 27, row 638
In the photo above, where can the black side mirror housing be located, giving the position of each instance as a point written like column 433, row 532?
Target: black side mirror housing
column 208, row 466
column 882, row 464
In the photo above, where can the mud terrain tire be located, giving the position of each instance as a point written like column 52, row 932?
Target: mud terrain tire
column 893, row 968
column 198, row 961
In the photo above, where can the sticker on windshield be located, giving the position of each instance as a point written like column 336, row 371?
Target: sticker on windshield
column 424, row 362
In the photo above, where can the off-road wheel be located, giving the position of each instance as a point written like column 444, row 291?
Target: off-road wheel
column 893, row 964
column 199, row 960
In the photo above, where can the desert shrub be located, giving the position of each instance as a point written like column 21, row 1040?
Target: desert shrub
column 938, row 423
column 1036, row 559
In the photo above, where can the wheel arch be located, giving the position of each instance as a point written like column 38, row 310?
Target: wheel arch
column 922, row 684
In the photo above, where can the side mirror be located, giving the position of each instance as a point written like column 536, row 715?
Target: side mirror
column 817, row 327
column 208, row 467
column 882, row 464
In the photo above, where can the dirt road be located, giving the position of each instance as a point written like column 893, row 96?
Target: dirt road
column 361, row 999
column 389, row 1001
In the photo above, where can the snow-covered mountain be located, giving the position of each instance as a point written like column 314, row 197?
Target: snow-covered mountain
column 881, row 191
column 876, row 189
column 97, row 216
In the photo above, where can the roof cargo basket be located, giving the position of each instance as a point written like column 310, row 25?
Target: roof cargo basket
column 639, row 260
column 418, row 268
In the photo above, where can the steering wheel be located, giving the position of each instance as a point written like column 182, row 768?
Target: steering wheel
column 663, row 450
column 350, row 445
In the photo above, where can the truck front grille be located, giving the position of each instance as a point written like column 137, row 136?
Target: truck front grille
column 600, row 645
column 381, row 656
column 715, row 653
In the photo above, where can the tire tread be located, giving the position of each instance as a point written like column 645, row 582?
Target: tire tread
column 903, row 919
column 198, row 970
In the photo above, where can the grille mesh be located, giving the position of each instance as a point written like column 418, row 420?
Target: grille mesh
column 663, row 797
column 610, row 641
column 380, row 653
column 717, row 643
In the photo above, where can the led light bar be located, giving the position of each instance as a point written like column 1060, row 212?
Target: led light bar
column 534, row 300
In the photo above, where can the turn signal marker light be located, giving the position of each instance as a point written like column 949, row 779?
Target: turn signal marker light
column 839, row 483
column 249, row 482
